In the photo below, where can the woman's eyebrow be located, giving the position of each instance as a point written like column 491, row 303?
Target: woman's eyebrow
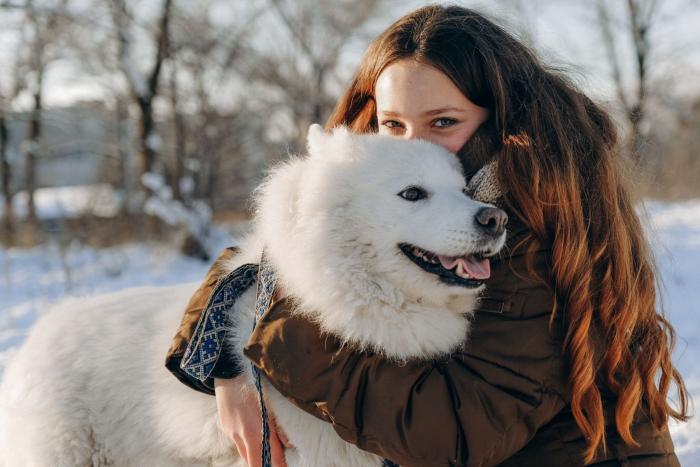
column 442, row 110
column 391, row 113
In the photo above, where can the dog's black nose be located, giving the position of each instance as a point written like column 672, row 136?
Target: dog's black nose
column 493, row 220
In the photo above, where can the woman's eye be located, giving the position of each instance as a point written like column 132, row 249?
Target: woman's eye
column 413, row 193
column 391, row 124
column 444, row 122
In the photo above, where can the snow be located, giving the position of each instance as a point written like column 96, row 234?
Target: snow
column 67, row 202
column 195, row 217
column 153, row 142
column 187, row 185
column 674, row 231
column 136, row 79
column 32, row 279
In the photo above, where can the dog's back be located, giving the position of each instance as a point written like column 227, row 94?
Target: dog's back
column 89, row 387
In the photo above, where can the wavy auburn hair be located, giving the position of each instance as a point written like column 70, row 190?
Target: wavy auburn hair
column 560, row 169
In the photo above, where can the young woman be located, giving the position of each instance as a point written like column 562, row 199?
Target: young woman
column 568, row 360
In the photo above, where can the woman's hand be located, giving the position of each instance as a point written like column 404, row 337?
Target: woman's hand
column 239, row 414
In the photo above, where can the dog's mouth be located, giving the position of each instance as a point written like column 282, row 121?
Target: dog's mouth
column 467, row 271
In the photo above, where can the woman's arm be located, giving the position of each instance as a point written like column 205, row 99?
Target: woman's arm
column 477, row 407
column 225, row 367
column 237, row 403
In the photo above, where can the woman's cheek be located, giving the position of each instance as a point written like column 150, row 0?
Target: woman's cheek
column 453, row 142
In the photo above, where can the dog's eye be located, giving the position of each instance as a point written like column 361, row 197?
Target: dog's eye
column 413, row 193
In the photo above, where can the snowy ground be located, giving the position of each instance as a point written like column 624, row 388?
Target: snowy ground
column 674, row 231
column 32, row 279
column 67, row 202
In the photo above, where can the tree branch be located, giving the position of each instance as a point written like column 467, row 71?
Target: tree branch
column 611, row 53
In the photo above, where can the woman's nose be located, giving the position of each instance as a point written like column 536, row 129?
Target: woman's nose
column 415, row 133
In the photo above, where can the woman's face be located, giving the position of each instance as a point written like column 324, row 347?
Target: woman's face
column 415, row 100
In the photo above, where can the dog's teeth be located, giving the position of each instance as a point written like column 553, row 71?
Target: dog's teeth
column 459, row 270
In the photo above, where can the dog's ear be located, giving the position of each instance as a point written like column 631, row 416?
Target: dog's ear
column 314, row 139
column 336, row 146
column 341, row 132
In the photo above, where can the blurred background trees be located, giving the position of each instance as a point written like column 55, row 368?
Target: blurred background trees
column 123, row 120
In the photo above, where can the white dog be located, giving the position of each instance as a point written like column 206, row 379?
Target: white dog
column 374, row 236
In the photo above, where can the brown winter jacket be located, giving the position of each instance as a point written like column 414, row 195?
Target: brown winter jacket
column 503, row 400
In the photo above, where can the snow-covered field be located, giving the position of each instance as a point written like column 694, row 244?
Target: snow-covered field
column 674, row 231
column 30, row 280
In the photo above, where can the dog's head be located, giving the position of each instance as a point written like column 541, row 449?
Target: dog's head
column 379, row 217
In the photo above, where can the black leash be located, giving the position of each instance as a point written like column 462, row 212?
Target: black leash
column 266, row 285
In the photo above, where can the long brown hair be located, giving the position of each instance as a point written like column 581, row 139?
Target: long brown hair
column 560, row 169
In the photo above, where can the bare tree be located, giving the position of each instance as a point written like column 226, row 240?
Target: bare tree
column 144, row 87
column 96, row 52
column 6, row 170
column 41, row 33
column 303, row 69
column 179, row 133
column 210, row 58
column 639, row 22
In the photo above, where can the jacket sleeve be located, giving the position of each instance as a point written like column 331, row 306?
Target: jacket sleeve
column 475, row 408
column 225, row 367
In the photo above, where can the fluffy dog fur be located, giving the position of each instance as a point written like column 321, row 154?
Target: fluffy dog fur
column 88, row 387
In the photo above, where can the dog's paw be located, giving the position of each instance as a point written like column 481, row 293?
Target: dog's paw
column 483, row 186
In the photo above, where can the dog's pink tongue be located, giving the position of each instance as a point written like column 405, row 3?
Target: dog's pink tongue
column 478, row 269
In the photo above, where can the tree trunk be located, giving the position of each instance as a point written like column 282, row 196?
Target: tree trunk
column 318, row 105
column 640, row 27
column 123, row 151
column 34, row 140
column 147, row 151
column 179, row 130
column 6, row 176
column 212, row 181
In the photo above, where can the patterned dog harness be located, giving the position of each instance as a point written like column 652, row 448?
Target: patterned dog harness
column 204, row 351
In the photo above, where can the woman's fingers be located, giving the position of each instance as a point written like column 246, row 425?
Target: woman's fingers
column 283, row 439
column 253, row 440
column 253, row 445
column 254, row 457
column 277, row 451
column 276, row 430
column 240, row 418
column 241, row 448
column 278, row 443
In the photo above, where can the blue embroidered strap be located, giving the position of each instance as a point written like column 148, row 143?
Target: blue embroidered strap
column 266, row 286
column 388, row 463
column 207, row 342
